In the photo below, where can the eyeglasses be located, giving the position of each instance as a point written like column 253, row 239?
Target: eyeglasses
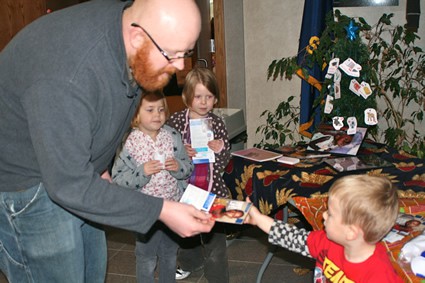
column 169, row 58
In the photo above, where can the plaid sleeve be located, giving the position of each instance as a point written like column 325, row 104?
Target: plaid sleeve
column 289, row 237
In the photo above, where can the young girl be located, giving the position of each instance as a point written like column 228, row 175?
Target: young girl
column 200, row 93
column 155, row 162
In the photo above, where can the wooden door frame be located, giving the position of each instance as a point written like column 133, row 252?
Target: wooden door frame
column 220, row 51
column 16, row 14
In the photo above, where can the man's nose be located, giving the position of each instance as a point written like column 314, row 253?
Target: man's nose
column 178, row 63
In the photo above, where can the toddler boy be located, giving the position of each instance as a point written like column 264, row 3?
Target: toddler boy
column 362, row 209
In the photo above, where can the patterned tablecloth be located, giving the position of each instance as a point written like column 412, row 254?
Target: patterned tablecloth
column 271, row 184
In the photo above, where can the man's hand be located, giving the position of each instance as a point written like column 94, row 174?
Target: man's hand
column 184, row 219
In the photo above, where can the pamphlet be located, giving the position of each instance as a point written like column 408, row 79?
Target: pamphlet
column 256, row 154
column 230, row 210
column 198, row 197
column 300, row 152
column 223, row 210
column 288, row 160
column 200, row 134
column 405, row 224
column 360, row 162
column 327, row 139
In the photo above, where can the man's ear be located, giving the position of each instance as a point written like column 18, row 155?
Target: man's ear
column 136, row 37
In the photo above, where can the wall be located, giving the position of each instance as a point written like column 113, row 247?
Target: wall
column 271, row 31
column 235, row 54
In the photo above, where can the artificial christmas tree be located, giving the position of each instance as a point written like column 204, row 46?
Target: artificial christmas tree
column 342, row 53
column 373, row 73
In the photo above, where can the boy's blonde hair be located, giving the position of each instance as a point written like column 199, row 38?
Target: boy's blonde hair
column 203, row 76
column 369, row 202
column 151, row 97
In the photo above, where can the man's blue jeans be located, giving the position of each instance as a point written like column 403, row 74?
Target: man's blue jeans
column 42, row 242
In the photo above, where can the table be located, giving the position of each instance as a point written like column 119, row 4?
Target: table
column 271, row 185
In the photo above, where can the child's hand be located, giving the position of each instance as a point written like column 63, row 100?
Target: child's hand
column 255, row 217
column 252, row 214
column 171, row 164
column 190, row 151
column 152, row 167
column 106, row 176
column 216, row 145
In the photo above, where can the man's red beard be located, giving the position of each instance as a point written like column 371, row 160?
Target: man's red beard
column 145, row 75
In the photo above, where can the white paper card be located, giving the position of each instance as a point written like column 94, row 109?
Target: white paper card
column 365, row 90
column 352, row 125
column 200, row 134
column 338, row 122
column 355, row 87
column 351, row 68
column 328, row 105
column 370, row 117
column 198, row 197
column 333, row 67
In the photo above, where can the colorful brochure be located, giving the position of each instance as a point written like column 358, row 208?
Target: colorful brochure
column 222, row 210
column 200, row 134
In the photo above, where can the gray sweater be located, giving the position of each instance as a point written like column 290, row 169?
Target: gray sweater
column 65, row 103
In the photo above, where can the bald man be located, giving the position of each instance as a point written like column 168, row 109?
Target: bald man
column 69, row 86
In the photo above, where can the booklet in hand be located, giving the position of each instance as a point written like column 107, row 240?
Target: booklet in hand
column 201, row 133
column 198, row 197
column 223, row 210
column 230, row 210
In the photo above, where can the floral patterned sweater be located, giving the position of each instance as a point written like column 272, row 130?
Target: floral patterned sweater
column 140, row 148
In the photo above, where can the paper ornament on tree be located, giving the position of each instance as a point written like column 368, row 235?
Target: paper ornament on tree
column 370, row 117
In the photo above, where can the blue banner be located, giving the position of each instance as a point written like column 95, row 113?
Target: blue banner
column 313, row 24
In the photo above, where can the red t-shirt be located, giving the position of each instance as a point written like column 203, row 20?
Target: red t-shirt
column 331, row 265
